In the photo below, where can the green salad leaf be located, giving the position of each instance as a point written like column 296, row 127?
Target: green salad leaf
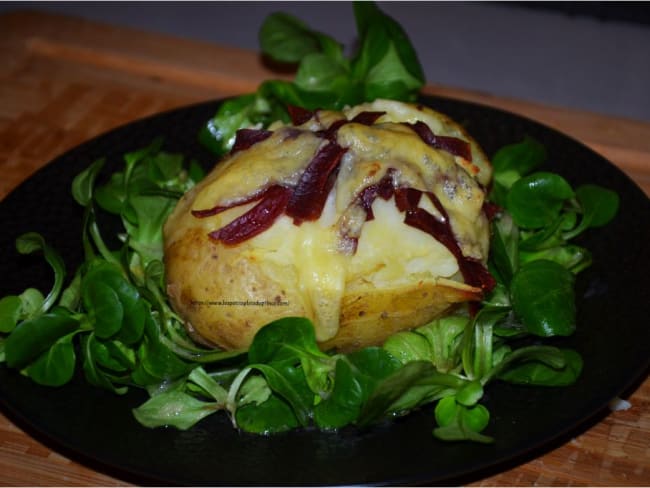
column 542, row 296
column 384, row 66
column 33, row 337
column 459, row 422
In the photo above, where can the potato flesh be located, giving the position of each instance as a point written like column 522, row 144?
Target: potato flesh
column 398, row 278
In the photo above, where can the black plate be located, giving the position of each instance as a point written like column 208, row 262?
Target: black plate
column 96, row 427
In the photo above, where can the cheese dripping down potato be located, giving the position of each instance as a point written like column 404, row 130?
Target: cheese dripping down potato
column 367, row 221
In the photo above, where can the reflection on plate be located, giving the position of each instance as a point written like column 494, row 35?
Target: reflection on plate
column 613, row 337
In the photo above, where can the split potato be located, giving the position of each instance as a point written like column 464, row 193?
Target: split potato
column 367, row 221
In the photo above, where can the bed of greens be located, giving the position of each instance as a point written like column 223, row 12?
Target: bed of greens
column 110, row 320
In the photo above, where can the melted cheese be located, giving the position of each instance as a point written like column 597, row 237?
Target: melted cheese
column 439, row 123
column 311, row 248
column 419, row 166
column 389, row 254
column 279, row 159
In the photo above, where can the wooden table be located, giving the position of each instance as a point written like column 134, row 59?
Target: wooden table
column 65, row 80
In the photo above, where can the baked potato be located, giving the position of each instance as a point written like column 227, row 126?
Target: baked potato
column 367, row 221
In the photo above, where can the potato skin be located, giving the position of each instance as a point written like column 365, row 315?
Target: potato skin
column 369, row 317
column 218, row 290
column 226, row 293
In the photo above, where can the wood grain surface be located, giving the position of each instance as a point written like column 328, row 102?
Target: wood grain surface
column 65, row 80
